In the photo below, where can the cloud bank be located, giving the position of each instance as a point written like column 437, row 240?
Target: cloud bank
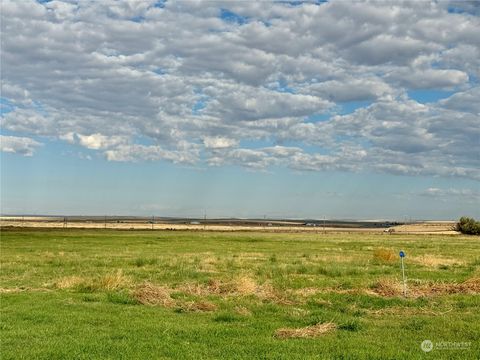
column 253, row 84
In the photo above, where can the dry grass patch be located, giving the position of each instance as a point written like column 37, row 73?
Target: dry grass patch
column 387, row 287
column 269, row 293
column 433, row 261
column 384, row 255
column 69, row 282
column 469, row 286
column 400, row 311
column 21, row 289
column 307, row 292
column 245, row 286
column 109, row 282
column 193, row 289
column 390, row 287
column 198, row 306
column 311, row 291
column 242, row 310
column 10, row 290
column 149, row 294
column 240, row 286
column 114, row 281
column 306, row 332
column 472, row 284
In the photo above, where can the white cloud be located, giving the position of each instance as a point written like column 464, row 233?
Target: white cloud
column 218, row 142
column 429, row 78
column 464, row 101
column 18, row 145
column 350, row 89
column 99, row 141
column 108, row 75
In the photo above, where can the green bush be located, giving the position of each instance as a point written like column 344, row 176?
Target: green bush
column 468, row 226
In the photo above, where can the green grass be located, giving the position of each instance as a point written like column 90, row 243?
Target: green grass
column 72, row 294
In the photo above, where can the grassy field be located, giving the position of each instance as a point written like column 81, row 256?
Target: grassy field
column 108, row 294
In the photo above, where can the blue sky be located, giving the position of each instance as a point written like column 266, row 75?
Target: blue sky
column 305, row 111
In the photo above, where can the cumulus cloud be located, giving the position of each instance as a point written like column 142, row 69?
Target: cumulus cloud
column 350, row 89
column 218, row 142
column 18, row 145
column 464, row 101
column 196, row 81
column 99, row 141
column 429, row 78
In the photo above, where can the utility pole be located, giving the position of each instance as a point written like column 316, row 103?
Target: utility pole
column 105, row 224
column 153, row 221
column 324, row 220
column 204, row 219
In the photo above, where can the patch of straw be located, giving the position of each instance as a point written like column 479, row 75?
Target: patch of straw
column 245, row 286
column 193, row 289
column 390, row 287
column 149, row 294
column 305, row 332
column 69, row 282
column 198, row 306
column 387, row 287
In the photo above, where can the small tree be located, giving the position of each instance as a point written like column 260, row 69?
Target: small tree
column 468, row 226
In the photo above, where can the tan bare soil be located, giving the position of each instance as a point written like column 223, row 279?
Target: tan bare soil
column 427, row 227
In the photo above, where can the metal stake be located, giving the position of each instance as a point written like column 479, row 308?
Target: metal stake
column 402, row 255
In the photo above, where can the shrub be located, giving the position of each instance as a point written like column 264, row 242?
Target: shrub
column 468, row 226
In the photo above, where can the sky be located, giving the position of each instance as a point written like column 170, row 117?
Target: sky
column 336, row 109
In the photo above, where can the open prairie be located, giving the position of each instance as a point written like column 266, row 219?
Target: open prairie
column 94, row 293
column 142, row 223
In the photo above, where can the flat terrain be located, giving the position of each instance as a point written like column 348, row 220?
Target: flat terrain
column 132, row 223
column 86, row 294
